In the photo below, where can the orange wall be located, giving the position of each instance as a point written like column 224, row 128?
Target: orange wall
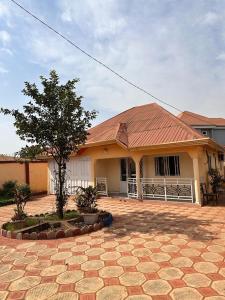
column 38, row 175
column 12, row 171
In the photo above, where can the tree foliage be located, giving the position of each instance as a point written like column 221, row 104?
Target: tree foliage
column 53, row 121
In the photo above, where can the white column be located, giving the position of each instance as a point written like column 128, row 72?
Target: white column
column 137, row 161
column 195, row 158
column 197, row 180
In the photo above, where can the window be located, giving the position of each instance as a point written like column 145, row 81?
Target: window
column 167, row 166
column 123, row 169
column 221, row 157
column 204, row 132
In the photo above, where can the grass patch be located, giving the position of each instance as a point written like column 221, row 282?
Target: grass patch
column 20, row 225
column 6, row 201
column 67, row 215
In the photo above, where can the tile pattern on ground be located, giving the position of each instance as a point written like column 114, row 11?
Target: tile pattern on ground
column 153, row 250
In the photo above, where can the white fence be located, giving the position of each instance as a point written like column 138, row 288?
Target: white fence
column 102, row 186
column 167, row 188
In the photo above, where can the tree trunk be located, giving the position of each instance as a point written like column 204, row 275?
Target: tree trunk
column 60, row 196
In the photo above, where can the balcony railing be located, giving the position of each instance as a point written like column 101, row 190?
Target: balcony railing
column 161, row 188
column 167, row 188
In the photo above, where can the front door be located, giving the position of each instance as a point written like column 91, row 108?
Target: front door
column 127, row 170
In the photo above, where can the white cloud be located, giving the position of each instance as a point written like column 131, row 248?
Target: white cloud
column 7, row 51
column 160, row 47
column 4, row 10
column 221, row 56
column 210, row 18
column 5, row 37
column 3, row 70
column 170, row 61
column 100, row 17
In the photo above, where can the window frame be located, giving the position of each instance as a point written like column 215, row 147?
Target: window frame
column 163, row 163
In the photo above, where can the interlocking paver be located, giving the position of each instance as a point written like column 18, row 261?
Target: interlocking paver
column 219, row 286
column 65, row 296
column 24, row 283
column 205, row 267
column 153, row 250
column 132, row 279
column 42, row 291
column 111, row 271
column 186, row 293
column 70, row 277
column 170, row 273
column 157, row 287
column 89, row 285
column 113, row 292
column 197, row 280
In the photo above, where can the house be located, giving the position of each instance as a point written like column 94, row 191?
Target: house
column 211, row 127
column 24, row 172
column 144, row 152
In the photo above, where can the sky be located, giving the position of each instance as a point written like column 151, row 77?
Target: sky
column 175, row 49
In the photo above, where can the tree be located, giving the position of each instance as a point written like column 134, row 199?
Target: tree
column 29, row 152
column 53, row 121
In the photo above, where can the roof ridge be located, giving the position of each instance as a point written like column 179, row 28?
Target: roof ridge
column 183, row 124
column 198, row 116
column 102, row 123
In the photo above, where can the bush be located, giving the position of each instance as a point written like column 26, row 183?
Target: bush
column 21, row 194
column 215, row 180
column 87, row 199
column 8, row 189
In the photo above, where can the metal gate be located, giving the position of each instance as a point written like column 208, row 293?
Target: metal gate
column 132, row 188
column 102, row 187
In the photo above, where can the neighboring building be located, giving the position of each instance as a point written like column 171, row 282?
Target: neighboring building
column 211, row 127
column 144, row 152
column 34, row 173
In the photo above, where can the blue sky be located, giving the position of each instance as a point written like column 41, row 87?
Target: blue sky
column 174, row 49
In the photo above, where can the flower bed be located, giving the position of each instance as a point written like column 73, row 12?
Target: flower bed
column 48, row 226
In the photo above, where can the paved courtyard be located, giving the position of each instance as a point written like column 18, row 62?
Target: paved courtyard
column 154, row 250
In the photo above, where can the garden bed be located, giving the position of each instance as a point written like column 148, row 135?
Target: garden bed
column 49, row 226
column 6, row 201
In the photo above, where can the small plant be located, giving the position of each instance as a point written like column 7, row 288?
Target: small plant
column 86, row 199
column 21, row 194
column 8, row 189
column 215, row 180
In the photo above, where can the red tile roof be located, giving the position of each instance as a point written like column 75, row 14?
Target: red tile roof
column 198, row 120
column 143, row 126
column 4, row 157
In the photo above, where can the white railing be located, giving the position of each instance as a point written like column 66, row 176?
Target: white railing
column 132, row 188
column 102, row 186
column 167, row 188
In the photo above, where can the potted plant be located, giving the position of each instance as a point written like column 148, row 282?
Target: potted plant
column 215, row 180
column 86, row 201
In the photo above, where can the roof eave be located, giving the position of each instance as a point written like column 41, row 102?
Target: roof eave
column 196, row 142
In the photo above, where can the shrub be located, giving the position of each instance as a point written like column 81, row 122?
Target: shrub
column 86, row 199
column 215, row 180
column 8, row 189
column 21, row 194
